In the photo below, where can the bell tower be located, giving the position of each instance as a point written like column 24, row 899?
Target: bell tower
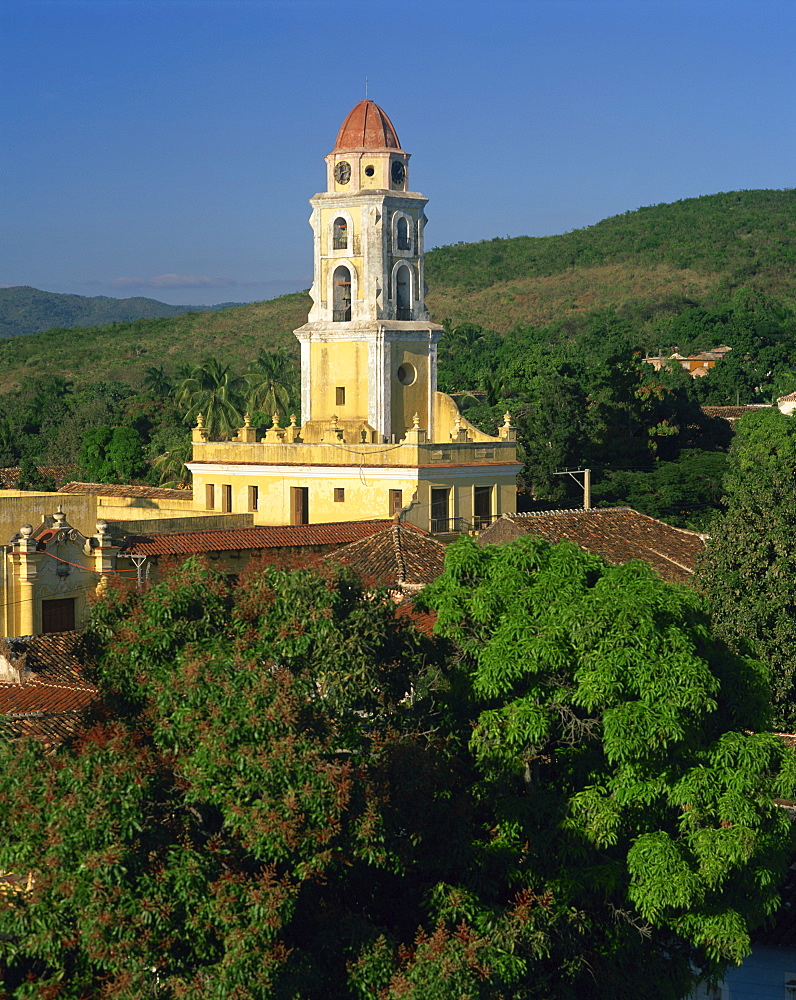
column 377, row 439
column 368, row 350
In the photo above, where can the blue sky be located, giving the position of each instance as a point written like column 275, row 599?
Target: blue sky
column 168, row 148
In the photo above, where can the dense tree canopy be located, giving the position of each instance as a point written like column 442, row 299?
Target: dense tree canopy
column 112, row 455
column 570, row 803
column 749, row 569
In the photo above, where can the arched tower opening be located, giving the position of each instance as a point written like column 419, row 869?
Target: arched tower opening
column 341, row 304
column 403, row 293
column 340, row 234
column 402, row 235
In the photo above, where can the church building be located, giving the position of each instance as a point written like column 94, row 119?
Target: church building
column 376, row 436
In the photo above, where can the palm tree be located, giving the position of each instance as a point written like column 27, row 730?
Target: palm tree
column 460, row 339
column 271, row 381
column 212, row 390
column 172, row 465
column 157, row 382
column 495, row 386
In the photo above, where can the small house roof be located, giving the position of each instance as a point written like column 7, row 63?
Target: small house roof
column 128, row 490
column 617, row 534
column 401, row 554
column 260, row 537
column 51, row 695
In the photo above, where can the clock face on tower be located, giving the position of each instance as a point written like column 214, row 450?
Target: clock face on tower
column 342, row 172
column 398, row 173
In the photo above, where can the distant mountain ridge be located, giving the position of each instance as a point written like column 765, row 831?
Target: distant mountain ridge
column 25, row 310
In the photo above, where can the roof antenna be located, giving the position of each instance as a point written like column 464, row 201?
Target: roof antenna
column 366, row 88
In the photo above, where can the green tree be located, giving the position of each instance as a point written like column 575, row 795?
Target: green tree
column 212, row 390
column 239, row 825
column 564, row 804
column 157, row 382
column 271, row 383
column 171, row 465
column 687, row 492
column 32, row 478
column 113, row 455
column 552, row 431
column 609, row 728
column 749, row 566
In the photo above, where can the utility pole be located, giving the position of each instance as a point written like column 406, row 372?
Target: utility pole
column 586, row 473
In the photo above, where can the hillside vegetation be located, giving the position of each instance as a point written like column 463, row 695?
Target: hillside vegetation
column 648, row 266
column 124, row 351
column 25, row 310
column 647, row 263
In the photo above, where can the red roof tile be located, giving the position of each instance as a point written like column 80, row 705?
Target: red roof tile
column 130, row 491
column 732, row 412
column 424, row 621
column 41, row 698
column 10, row 476
column 400, row 555
column 57, row 657
column 276, row 537
column 49, row 701
column 618, row 534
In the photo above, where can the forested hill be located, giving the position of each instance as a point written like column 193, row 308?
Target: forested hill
column 648, row 265
column 654, row 260
column 25, row 310
column 742, row 232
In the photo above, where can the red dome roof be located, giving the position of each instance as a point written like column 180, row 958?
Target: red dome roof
column 367, row 127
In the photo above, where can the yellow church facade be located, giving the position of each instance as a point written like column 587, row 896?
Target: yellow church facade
column 377, row 437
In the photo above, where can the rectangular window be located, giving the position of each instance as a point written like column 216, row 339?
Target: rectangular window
column 299, row 505
column 396, row 501
column 339, row 395
column 210, row 496
column 254, row 497
column 339, row 494
column 226, row 499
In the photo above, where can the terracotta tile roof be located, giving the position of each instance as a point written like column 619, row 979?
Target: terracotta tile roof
column 57, row 657
column 39, row 697
column 115, row 490
column 51, row 730
column 52, row 694
column 732, row 412
column 263, row 537
column 9, row 477
column 402, row 554
column 618, row 534
column 424, row 621
column 790, row 398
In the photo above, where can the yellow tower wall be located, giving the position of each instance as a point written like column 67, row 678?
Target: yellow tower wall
column 343, row 365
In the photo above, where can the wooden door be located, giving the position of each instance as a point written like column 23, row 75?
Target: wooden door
column 58, row 616
column 439, row 510
column 300, row 505
column 482, row 507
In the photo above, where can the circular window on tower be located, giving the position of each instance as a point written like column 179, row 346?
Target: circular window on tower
column 342, row 172
column 406, row 374
column 370, row 170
